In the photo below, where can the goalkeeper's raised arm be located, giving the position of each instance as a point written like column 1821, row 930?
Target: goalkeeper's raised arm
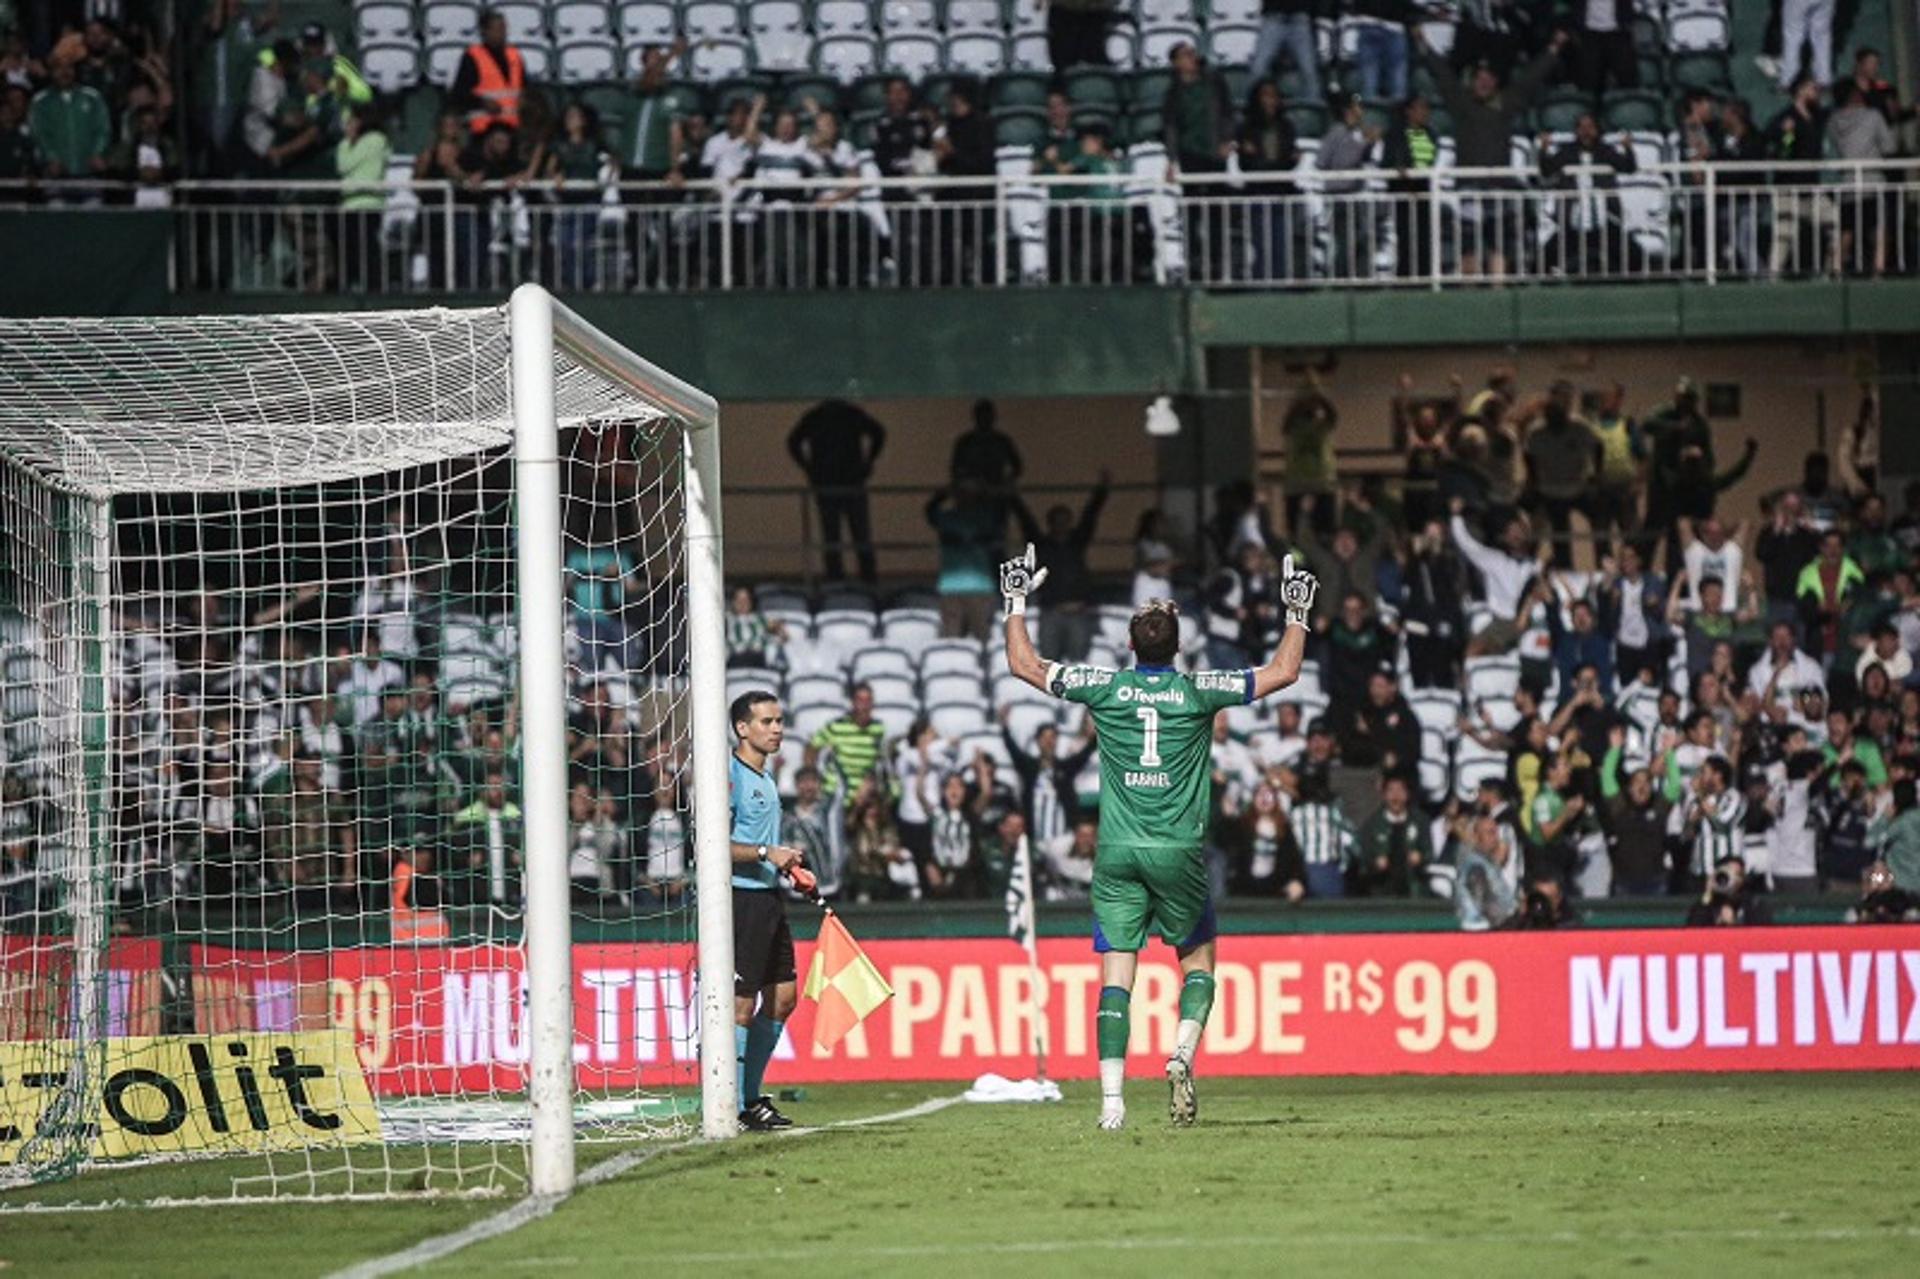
column 1020, row 577
column 1297, row 589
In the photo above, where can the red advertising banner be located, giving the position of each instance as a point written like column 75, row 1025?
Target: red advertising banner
column 430, row 1020
column 41, row 985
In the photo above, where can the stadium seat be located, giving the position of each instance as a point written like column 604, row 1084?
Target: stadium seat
column 526, row 23
column 1144, row 124
column 741, row 679
column 960, row 720
column 1222, row 12
column 1437, row 709
column 1231, row 44
column 1029, row 53
column 709, row 20
column 782, row 51
column 881, row 659
column 795, row 89
column 1700, row 71
column 915, row 55
column 715, row 59
column 1439, row 36
column 1491, row 677
column 1094, row 87
column 847, row 627
column 574, row 21
column 588, row 61
column 974, row 16
column 538, row 57
column 1698, row 31
column 391, row 68
column 1308, row 121
column 908, row 17
column 415, row 119
column 912, row 629
column 805, row 719
column 776, row 595
column 776, row 15
column 383, row 23
column 842, row 17
column 1024, row 719
column 1156, row 42
column 449, row 23
column 1018, row 89
column 646, row 22
column 1561, row 108
column 949, row 656
column 1153, row 13
column 848, row 596
column 897, row 689
column 1634, row 110
column 957, row 687
column 847, row 58
column 812, row 689
column 1018, row 127
column 981, row 742
column 1120, row 49
column 896, row 717
column 977, row 54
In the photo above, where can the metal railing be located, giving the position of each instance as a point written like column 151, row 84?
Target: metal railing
column 1299, row 229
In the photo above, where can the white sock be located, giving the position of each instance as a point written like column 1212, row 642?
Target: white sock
column 1188, row 1040
column 1113, row 1072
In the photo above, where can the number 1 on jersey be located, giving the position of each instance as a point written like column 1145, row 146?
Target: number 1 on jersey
column 1150, row 726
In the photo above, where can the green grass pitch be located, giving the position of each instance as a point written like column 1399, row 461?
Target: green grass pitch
column 1791, row 1175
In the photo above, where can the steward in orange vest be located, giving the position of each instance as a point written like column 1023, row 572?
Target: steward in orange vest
column 491, row 78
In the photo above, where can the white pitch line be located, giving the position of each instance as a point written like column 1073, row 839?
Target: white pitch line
column 533, row 1208
column 903, row 1252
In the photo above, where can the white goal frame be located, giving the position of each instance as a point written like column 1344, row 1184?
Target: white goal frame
column 538, row 326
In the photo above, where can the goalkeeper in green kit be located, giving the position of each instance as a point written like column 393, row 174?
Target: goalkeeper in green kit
column 1155, row 729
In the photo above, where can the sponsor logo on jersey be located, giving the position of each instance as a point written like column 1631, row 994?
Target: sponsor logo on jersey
column 1067, row 677
column 1220, row 681
column 1163, row 696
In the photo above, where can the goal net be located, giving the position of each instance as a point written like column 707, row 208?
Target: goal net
column 352, row 749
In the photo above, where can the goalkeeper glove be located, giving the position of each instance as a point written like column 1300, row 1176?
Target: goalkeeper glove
column 1297, row 588
column 1018, row 579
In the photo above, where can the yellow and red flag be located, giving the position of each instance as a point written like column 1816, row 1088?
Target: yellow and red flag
column 843, row 982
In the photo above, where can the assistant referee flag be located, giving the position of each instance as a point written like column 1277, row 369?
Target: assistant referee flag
column 843, row 982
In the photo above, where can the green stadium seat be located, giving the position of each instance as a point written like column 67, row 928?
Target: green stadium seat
column 416, row 117
column 934, row 89
column 1635, row 110
column 1017, row 89
column 1561, row 108
column 860, row 128
column 1239, row 84
column 687, row 98
column 1093, row 86
column 1309, row 120
column 1144, row 125
column 614, row 104
column 1653, row 69
column 738, row 89
column 1019, row 128
column 870, row 94
column 1700, row 71
column 796, row 89
column 1149, row 88
column 1106, row 117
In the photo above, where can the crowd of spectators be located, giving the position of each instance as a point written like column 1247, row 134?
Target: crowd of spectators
column 1545, row 667
column 97, row 102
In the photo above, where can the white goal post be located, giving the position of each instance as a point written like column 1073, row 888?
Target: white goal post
column 293, row 609
column 541, row 325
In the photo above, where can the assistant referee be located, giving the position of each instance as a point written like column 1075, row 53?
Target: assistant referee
column 764, row 990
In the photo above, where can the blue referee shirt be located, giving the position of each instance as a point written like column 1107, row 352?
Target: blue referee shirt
column 755, row 801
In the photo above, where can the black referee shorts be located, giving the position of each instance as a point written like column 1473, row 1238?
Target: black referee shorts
column 762, row 942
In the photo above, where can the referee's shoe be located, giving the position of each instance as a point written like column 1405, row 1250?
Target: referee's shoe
column 760, row 1116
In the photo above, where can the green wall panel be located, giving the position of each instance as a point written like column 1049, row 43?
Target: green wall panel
column 1736, row 310
column 1270, row 319
column 81, row 262
column 1624, row 313
column 1423, row 317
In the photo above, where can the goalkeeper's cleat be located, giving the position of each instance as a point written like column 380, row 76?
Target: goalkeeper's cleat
column 1182, row 1106
column 760, row 1116
column 1113, row 1120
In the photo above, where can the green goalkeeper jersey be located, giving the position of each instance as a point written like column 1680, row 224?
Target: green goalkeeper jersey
column 1155, row 730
